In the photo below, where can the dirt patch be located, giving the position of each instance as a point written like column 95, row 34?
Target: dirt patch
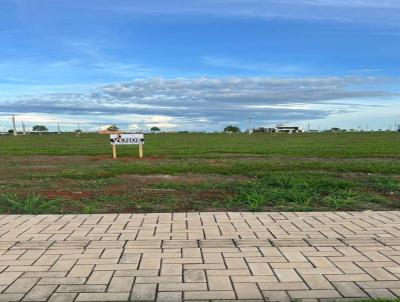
column 124, row 159
column 78, row 195
column 46, row 159
column 215, row 162
column 212, row 194
column 184, row 179
column 55, row 161
column 118, row 188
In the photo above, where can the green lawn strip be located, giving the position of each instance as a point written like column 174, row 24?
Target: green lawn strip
column 273, row 190
column 233, row 167
column 349, row 171
column 339, row 145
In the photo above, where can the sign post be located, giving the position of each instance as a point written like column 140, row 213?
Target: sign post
column 114, row 149
column 141, row 151
column 127, row 139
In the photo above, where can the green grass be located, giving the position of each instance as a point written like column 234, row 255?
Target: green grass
column 31, row 204
column 213, row 145
column 386, row 184
column 301, row 192
column 201, row 172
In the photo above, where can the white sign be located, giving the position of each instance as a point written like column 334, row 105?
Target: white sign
column 127, row 139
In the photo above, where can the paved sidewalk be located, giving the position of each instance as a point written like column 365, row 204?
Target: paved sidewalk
column 200, row 256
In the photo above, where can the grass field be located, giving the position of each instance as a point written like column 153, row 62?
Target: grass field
column 185, row 172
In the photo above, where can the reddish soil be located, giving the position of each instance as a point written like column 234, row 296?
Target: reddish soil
column 124, row 159
column 215, row 162
column 186, row 179
column 115, row 189
column 211, row 194
column 66, row 194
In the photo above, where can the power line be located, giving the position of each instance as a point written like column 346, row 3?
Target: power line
column 14, row 127
column 250, row 125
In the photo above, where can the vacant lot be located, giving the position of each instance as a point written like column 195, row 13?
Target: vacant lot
column 184, row 172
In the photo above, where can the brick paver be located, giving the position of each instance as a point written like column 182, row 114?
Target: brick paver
column 200, row 256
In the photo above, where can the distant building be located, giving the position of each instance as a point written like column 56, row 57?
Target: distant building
column 280, row 129
column 336, row 129
column 262, row 129
column 288, row 129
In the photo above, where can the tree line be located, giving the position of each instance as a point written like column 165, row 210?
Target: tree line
column 42, row 128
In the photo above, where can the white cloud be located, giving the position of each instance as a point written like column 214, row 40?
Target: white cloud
column 386, row 12
column 161, row 121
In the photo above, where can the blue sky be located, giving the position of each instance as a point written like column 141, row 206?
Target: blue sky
column 184, row 65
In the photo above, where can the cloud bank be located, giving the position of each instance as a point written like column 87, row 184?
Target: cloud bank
column 206, row 103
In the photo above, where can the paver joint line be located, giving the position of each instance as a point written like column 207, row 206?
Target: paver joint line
column 200, row 256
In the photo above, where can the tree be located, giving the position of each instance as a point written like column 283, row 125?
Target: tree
column 113, row 128
column 155, row 129
column 11, row 131
column 232, row 129
column 39, row 128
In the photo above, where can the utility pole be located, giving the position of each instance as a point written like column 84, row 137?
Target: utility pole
column 308, row 127
column 14, row 127
column 23, row 128
column 78, row 131
column 250, row 126
column 58, row 129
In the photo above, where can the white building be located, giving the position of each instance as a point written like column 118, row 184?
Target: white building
column 288, row 129
column 280, row 129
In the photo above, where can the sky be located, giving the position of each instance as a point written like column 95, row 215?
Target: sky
column 200, row 64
